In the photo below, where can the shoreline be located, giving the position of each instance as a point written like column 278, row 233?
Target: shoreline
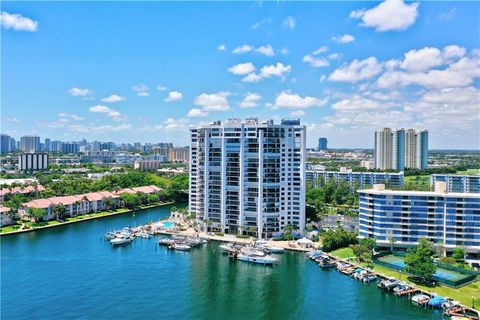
column 430, row 293
column 87, row 218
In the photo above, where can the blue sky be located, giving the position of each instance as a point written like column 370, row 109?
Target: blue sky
column 127, row 71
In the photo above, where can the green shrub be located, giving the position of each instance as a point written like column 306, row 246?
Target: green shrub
column 221, row 234
column 242, row 236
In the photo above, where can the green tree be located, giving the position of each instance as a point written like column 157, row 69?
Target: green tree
column 58, row 210
column 338, row 238
column 130, row 200
column 392, row 241
column 419, row 261
column 208, row 224
column 36, row 214
column 109, row 203
column 459, row 255
column 252, row 230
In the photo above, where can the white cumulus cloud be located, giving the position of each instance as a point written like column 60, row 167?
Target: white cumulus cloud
column 291, row 100
column 197, row 113
column 113, row 98
column 422, row 60
column 79, row 92
column 250, row 100
column 357, row 70
column 112, row 113
column 242, row 68
column 275, row 70
column 242, row 49
column 213, row 101
column 222, row 47
column 141, row 90
column 346, row 38
column 316, row 62
column 173, row 96
column 388, row 15
column 17, row 22
column 266, row 50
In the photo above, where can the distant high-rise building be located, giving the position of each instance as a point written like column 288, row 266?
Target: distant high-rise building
column 29, row 144
column 400, row 149
column 248, row 175
column 178, row 154
column 56, row 146
column 5, row 143
column 47, row 144
column 71, row 147
column 322, row 143
column 33, row 161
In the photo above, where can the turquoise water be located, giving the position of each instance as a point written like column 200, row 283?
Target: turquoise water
column 70, row 272
column 168, row 224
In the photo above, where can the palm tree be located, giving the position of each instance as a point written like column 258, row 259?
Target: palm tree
column 35, row 186
column 58, row 210
column 392, row 241
column 208, row 223
column 252, row 229
column 289, row 228
column 109, row 203
column 85, row 202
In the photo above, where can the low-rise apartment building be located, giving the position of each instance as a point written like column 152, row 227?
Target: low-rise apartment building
column 457, row 182
column 450, row 220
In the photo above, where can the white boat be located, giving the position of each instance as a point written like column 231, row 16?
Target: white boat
column 271, row 249
column 144, row 235
column 265, row 260
column 420, row 299
column 166, row 242
column 228, row 248
column 252, row 251
column 181, row 247
column 121, row 240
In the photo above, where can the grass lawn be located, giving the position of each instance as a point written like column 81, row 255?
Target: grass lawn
column 343, row 253
column 463, row 294
column 14, row 227
column 421, row 178
column 469, row 172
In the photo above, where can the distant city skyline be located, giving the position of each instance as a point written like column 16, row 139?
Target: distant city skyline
column 76, row 71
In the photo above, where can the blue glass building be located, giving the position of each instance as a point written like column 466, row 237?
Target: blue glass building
column 448, row 219
column 355, row 179
column 457, row 183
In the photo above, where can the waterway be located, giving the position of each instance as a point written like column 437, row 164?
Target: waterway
column 70, row 272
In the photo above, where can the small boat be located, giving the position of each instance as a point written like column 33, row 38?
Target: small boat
column 265, row 259
column 315, row 254
column 450, row 303
column 181, row 247
column 420, row 299
column 436, row 302
column 273, row 249
column 143, row 234
column 121, row 240
column 388, row 283
column 326, row 262
column 348, row 270
column 166, row 242
column 401, row 287
column 369, row 278
column 230, row 247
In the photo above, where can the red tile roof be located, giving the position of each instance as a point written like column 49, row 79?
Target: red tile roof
column 21, row 190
